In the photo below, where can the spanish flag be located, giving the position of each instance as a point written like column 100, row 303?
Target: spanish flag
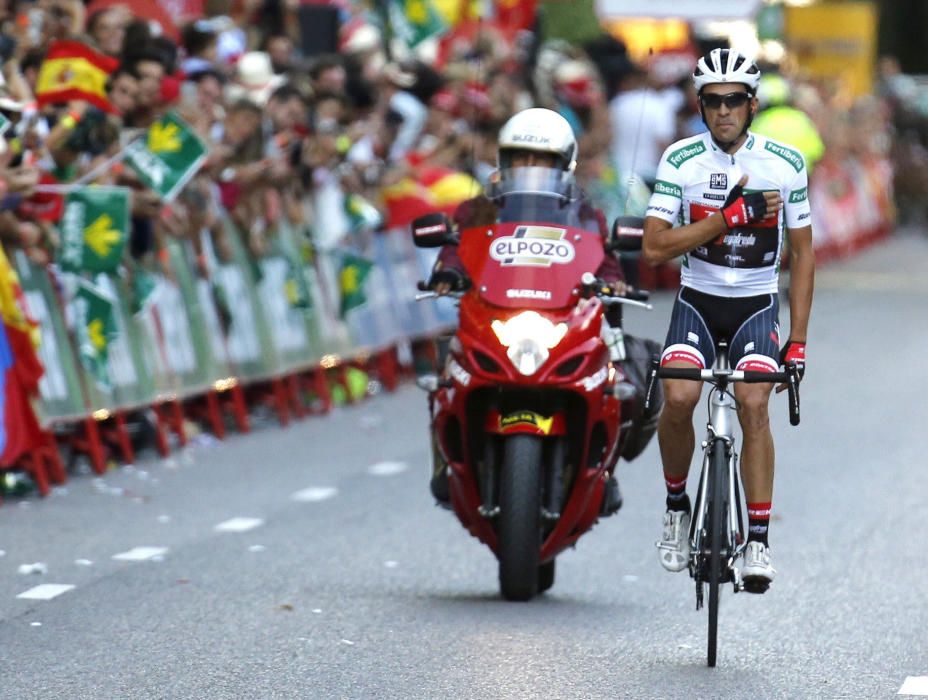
column 74, row 71
column 20, row 370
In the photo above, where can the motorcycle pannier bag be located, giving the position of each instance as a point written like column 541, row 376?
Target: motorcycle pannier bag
column 638, row 354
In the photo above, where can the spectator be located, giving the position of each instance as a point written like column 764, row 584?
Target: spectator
column 642, row 125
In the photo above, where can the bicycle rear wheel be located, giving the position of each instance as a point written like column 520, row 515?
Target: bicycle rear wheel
column 717, row 557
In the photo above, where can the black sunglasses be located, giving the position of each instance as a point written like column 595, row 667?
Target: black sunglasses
column 732, row 100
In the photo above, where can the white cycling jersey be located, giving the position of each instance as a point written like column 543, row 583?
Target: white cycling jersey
column 693, row 180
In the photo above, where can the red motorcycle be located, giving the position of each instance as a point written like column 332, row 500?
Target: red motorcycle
column 525, row 413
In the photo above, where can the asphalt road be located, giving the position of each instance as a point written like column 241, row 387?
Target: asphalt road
column 310, row 562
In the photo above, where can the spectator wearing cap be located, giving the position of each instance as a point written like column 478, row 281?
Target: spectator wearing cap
column 254, row 79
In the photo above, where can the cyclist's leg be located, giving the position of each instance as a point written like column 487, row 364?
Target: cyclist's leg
column 755, row 346
column 689, row 343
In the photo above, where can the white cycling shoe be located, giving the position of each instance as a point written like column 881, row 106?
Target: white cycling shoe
column 756, row 571
column 674, row 547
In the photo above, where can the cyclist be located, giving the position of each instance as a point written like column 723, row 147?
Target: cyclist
column 535, row 138
column 730, row 238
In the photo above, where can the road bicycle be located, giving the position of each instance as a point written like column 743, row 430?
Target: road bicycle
column 717, row 538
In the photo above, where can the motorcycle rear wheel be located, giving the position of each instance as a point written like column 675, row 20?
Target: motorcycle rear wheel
column 519, row 521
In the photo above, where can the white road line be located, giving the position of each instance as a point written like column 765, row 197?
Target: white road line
column 914, row 685
column 46, row 591
column 141, row 553
column 387, row 468
column 239, row 525
column 314, row 494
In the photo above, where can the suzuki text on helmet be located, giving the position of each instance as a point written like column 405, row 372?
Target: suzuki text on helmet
column 537, row 137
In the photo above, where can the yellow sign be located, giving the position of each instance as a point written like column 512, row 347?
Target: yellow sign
column 834, row 40
column 164, row 138
column 646, row 36
column 526, row 418
column 101, row 237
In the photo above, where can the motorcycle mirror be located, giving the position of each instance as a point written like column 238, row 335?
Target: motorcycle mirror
column 432, row 231
column 626, row 234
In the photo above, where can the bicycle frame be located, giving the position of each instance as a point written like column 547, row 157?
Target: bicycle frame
column 722, row 408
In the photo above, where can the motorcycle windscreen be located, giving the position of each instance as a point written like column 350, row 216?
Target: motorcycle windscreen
column 536, row 254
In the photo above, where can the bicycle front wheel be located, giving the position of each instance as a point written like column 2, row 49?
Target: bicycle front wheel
column 718, row 537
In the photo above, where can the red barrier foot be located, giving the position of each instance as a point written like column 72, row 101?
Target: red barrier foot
column 170, row 417
column 279, row 397
column 388, row 368
column 317, row 383
column 214, row 414
column 239, row 408
column 90, row 444
column 121, row 434
column 295, row 396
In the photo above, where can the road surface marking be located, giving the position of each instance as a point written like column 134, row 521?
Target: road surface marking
column 314, row 494
column 914, row 685
column 239, row 525
column 141, row 553
column 387, row 468
column 45, row 591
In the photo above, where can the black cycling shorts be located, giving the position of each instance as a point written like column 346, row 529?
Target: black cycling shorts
column 749, row 324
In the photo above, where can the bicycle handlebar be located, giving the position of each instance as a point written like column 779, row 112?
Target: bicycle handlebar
column 790, row 377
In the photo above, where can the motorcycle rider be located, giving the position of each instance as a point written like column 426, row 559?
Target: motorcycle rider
column 534, row 138
column 731, row 239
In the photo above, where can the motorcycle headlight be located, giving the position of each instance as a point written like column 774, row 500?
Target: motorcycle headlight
column 528, row 337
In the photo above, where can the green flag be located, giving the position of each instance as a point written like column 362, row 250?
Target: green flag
column 94, row 229
column 362, row 215
column 414, row 21
column 295, row 286
column 95, row 324
column 167, row 156
column 351, row 277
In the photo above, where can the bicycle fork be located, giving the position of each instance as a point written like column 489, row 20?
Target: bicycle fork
column 719, row 428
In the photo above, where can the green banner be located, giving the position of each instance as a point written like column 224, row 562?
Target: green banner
column 95, row 325
column 167, row 156
column 414, row 21
column 60, row 394
column 94, row 229
column 354, row 271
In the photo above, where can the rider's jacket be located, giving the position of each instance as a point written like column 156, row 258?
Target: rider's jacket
column 693, row 180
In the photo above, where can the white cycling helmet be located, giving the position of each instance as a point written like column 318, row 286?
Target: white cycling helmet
column 540, row 130
column 726, row 66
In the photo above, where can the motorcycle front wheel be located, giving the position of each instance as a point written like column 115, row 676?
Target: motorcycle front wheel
column 519, row 520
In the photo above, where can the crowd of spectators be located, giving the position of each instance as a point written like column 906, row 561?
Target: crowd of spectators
column 291, row 132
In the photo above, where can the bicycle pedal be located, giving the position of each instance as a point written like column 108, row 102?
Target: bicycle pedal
column 755, row 585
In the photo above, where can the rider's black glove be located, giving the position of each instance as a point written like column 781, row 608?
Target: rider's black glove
column 794, row 351
column 741, row 209
column 449, row 275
